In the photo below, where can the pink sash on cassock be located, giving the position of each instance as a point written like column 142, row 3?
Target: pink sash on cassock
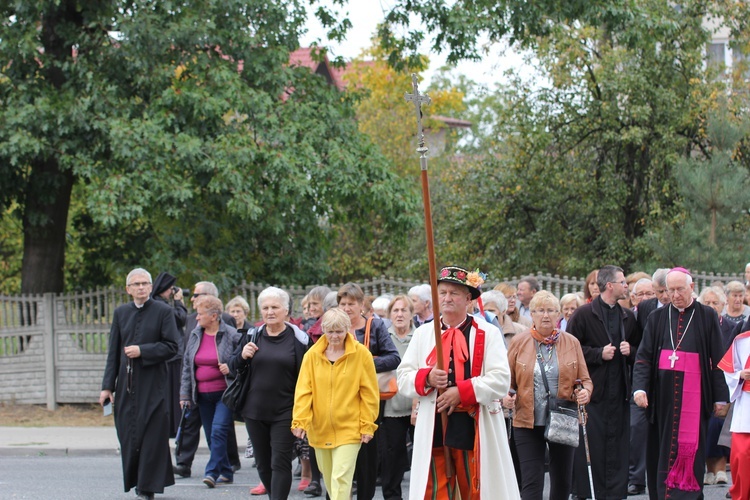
column 681, row 475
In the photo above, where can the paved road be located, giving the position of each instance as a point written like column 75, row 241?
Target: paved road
column 63, row 463
column 100, row 477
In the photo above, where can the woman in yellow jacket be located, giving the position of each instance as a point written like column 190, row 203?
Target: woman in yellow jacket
column 336, row 401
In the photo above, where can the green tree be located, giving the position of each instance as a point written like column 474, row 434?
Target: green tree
column 183, row 130
column 571, row 167
column 710, row 233
column 462, row 28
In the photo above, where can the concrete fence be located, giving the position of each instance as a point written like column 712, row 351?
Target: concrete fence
column 53, row 346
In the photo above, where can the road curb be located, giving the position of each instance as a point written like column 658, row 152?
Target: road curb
column 31, row 451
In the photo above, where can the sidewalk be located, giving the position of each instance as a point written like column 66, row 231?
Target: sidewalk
column 72, row 441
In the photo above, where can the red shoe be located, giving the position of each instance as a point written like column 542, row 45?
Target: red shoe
column 258, row 490
column 303, row 484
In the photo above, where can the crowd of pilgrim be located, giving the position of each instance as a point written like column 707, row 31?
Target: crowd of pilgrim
column 313, row 388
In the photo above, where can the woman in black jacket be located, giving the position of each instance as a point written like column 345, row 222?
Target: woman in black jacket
column 273, row 360
column 351, row 299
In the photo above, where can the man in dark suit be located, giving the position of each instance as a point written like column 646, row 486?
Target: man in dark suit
column 609, row 335
column 638, row 419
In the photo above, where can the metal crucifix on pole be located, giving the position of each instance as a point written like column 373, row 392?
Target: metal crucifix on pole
column 419, row 99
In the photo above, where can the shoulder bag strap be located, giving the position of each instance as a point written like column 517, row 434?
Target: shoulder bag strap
column 541, row 368
column 368, row 325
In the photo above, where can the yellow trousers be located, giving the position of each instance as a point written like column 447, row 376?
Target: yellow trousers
column 337, row 466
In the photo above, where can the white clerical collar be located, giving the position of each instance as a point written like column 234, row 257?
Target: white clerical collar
column 140, row 306
column 683, row 310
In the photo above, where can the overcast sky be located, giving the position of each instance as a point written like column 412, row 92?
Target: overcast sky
column 366, row 14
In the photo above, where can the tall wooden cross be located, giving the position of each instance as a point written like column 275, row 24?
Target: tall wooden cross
column 418, row 99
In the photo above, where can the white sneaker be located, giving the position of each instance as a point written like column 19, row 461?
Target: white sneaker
column 710, row 478
column 721, row 477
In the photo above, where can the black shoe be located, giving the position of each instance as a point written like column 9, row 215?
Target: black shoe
column 143, row 495
column 181, row 470
column 236, row 467
column 313, row 489
column 634, row 489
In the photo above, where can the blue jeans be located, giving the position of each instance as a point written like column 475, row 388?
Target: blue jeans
column 216, row 418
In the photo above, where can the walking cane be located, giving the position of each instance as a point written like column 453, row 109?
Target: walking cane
column 582, row 418
column 178, row 437
column 511, row 413
column 418, row 99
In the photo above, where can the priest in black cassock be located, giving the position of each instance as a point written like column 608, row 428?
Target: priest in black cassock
column 142, row 338
column 609, row 335
column 676, row 378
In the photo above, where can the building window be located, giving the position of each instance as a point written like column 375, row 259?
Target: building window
column 741, row 63
column 716, row 54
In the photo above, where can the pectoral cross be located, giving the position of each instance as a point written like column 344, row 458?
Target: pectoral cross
column 418, row 99
column 672, row 358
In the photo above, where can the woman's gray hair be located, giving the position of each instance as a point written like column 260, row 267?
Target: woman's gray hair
column 238, row 301
column 497, row 298
column 319, row 293
column 331, row 301
column 274, row 293
column 570, row 297
column 734, row 286
column 424, row 292
column 716, row 290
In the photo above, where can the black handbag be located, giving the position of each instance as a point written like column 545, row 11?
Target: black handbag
column 236, row 392
column 562, row 415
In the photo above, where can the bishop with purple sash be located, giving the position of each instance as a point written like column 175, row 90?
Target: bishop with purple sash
column 676, row 367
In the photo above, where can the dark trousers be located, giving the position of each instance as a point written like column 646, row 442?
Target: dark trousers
column 314, row 470
column 273, row 445
column 366, row 472
column 191, row 438
column 638, row 445
column 393, row 433
column 531, row 447
column 513, row 451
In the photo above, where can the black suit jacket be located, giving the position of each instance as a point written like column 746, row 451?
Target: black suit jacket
column 644, row 309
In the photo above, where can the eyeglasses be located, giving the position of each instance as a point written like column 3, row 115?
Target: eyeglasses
column 548, row 312
column 198, row 295
column 140, row 284
column 623, row 282
column 645, row 294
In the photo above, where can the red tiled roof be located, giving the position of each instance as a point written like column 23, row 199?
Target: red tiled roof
column 452, row 122
column 305, row 57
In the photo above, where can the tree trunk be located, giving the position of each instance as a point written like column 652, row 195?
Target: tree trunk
column 45, row 215
column 714, row 222
column 45, row 222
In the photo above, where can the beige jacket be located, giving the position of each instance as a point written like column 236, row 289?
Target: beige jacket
column 522, row 359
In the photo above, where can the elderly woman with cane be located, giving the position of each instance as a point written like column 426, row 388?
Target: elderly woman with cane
column 544, row 362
